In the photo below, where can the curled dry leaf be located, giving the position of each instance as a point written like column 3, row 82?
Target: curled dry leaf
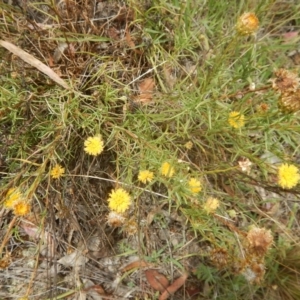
column 129, row 40
column 28, row 58
column 157, row 281
column 176, row 285
column 146, row 89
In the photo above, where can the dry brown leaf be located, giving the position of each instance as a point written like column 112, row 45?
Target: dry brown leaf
column 135, row 264
column 176, row 285
column 146, row 89
column 28, row 58
column 129, row 40
column 157, row 281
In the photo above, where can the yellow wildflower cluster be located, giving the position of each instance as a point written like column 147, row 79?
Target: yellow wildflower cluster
column 145, row 176
column 247, row 24
column 288, row 176
column 236, row 119
column 119, row 200
column 167, row 170
column 94, row 145
column 57, row 171
column 194, row 185
column 16, row 201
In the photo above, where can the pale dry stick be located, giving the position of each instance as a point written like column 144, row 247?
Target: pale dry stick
column 28, row 58
column 8, row 234
column 147, row 72
column 123, row 183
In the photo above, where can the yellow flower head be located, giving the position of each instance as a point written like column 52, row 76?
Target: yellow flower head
column 211, row 205
column 22, row 208
column 288, row 176
column 247, row 24
column 57, row 171
column 94, row 145
column 119, row 200
column 145, row 176
column 167, row 170
column 236, row 119
column 194, row 185
column 13, row 196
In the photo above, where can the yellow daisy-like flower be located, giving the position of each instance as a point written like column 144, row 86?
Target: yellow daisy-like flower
column 57, row 171
column 236, row 119
column 211, row 205
column 247, row 24
column 94, row 145
column 167, row 170
column 145, row 176
column 194, row 185
column 13, row 196
column 22, row 208
column 288, row 176
column 119, row 200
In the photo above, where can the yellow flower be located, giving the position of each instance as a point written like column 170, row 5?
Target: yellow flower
column 288, row 176
column 167, row 170
column 22, row 208
column 211, row 205
column 247, row 24
column 94, row 145
column 13, row 196
column 119, row 200
column 195, row 185
column 236, row 119
column 145, row 176
column 57, row 171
